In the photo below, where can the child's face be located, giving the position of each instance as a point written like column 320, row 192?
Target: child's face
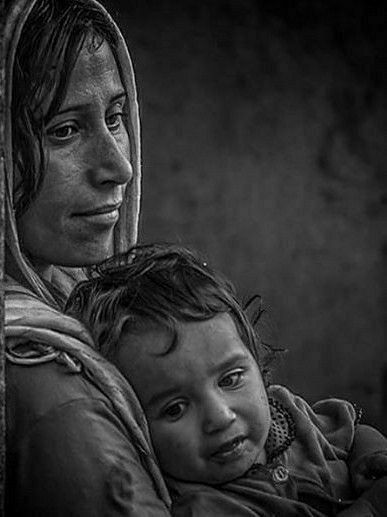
column 205, row 401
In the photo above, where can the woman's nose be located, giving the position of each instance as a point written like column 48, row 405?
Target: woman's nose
column 110, row 160
column 217, row 415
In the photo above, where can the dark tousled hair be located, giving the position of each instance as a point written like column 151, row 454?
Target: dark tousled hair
column 159, row 285
column 49, row 44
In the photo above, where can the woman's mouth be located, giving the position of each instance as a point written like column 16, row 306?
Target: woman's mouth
column 105, row 215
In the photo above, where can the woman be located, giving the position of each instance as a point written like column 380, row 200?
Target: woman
column 77, row 441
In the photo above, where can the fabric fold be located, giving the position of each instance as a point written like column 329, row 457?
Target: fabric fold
column 29, row 320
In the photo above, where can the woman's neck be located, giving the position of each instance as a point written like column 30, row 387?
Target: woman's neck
column 43, row 269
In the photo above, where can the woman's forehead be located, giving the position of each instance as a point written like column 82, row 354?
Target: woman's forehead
column 95, row 75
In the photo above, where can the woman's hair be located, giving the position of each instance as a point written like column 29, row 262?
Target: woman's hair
column 49, row 45
column 158, row 286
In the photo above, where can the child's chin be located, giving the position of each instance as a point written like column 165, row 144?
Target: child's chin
column 229, row 473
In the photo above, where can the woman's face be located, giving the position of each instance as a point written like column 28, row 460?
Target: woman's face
column 88, row 168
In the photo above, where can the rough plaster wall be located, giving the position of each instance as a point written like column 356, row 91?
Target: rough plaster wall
column 264, row 141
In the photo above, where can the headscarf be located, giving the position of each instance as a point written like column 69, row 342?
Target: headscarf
column 36, row 330
column 125, row 232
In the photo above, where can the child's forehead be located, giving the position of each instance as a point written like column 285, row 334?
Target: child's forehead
column 219, row 324
column 156, row 338
column 211, row 338
column 176, row 336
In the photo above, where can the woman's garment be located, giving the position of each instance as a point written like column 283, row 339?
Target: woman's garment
column 77, row 443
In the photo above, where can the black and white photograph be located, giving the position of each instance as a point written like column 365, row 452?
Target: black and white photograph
column 193, row 252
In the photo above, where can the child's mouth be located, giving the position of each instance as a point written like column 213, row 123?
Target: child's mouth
column 230, row 450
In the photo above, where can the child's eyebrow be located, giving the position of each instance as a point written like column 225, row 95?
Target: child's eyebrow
column 159, row 397
column 229, row 361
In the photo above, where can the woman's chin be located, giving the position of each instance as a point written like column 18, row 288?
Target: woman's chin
column 86, row 257
column 82, row 255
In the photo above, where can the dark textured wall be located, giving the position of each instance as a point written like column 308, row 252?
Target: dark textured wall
column 264, row 145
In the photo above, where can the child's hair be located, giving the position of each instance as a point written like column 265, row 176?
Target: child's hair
column 158, row 285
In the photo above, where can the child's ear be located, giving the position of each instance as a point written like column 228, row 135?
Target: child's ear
column 253, row 308
column 266, row 376
column 266, row 333
column 258, row 314
column 102, row 341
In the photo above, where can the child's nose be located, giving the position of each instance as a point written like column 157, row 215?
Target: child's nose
column 217, row 415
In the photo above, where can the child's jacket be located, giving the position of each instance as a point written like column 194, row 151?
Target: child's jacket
column 311, row 477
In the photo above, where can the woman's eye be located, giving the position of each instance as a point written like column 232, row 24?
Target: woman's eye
column 62, row 132
column 231, row 380
column 174, row 411
column 114, row 121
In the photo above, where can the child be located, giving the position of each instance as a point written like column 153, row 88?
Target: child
column 228, row 442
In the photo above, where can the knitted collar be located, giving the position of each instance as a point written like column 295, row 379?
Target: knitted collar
column 282, row 430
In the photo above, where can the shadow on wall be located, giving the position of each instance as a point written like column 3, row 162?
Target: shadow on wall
column 264, row 133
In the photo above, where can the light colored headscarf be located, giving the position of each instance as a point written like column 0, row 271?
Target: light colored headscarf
column 32, row 314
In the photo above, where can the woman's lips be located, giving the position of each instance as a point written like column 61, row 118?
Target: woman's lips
column 105, row 215
column 230, row 450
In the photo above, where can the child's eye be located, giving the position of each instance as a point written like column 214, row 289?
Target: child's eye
column 175, row 410
column 231, row 380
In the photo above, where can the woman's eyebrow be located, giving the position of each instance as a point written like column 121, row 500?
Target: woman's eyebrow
column 119, row 96
column 82, row 105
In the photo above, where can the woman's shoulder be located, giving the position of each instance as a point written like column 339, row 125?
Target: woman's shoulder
column 73, row 421
column 39, row 391
column 62, row 431
column 43, row 372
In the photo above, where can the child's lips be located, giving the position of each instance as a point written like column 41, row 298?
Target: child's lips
column 229, row 450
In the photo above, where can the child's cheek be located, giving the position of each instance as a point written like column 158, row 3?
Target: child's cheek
column 170, row 444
